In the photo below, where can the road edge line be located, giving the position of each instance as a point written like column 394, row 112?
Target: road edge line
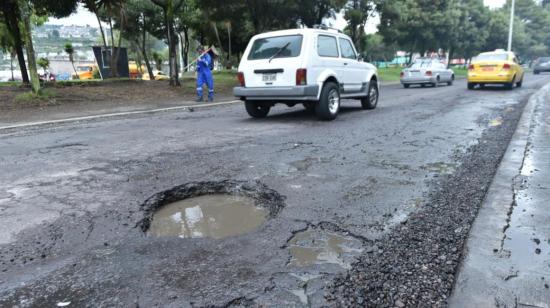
column 116, row 114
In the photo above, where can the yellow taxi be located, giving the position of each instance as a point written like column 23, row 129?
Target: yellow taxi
column 159, row 75
column 85, row 71
column 495, row 67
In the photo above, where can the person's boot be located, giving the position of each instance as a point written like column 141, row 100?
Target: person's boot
column 199, row 99
column 211, row 99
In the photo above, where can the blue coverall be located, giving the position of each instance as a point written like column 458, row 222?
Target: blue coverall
column 204, row 75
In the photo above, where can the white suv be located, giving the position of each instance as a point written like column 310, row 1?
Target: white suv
column 315, row 67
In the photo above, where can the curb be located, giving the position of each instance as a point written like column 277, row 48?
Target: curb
column 116, row 114
column 486, row 232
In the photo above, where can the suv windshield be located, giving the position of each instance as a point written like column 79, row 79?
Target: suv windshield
column 278, row 46
column 492, row 57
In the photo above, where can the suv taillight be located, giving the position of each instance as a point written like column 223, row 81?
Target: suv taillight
column 301, row 77
column 402, row 74
column 428, row 73
column 240, row 76
column 471, row 67
column 506, row 66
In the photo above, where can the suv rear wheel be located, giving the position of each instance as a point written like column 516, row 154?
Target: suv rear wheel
column 329, row 104
column 371, row 100
column 257, row 109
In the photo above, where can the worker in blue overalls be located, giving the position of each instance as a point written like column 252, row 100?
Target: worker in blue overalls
column 204, row 75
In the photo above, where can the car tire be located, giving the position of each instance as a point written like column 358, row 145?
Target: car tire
column 519, row 83
column 436, row 83
column 371, row 101
column 257, row 109
column 450, row 83
column 509, row 85
column 423, row 85
column 536, row 72
column 328, row 106
column 406, row 86
column 471, row 85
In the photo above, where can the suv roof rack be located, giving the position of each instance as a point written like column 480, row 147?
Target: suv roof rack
column 325, row 27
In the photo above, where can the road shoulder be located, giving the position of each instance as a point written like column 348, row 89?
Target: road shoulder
column 507, row 259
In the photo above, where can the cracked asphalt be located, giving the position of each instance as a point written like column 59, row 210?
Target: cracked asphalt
column 72, row 196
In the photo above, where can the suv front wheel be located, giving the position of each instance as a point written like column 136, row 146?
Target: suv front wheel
column 329, row 104
column 257, row 109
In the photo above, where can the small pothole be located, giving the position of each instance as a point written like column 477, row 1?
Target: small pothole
column 317, row 246
column 214, row 216
column 210, row 209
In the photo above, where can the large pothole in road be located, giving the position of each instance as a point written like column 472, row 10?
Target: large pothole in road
column 210, row 209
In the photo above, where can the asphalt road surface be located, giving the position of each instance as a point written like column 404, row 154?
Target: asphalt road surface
column 347, row 194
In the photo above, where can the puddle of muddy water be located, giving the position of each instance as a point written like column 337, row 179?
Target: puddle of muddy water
column 213, row 216
column 314, row 246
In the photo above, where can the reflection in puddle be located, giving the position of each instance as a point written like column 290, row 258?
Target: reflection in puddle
column 214, row 216
column 317, row 246
column 495, row 122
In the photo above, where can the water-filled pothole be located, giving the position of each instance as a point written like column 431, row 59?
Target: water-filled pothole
column 215, row 216
column 210, row 209
column 318, row 246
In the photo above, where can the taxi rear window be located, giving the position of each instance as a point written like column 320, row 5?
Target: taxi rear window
column 492, row 57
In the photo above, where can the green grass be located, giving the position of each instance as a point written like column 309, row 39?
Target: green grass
column 389, row 73
column 10, row 84
column 222, row 79
column 45, row 96
column 460, row 71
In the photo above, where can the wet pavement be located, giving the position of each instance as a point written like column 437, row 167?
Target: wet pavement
column 77, row 200
column 508, row 259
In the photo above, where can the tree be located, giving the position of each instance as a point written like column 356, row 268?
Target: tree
column 12, row 17
column 70, row 51
column 106, row 10
column 169, row 9
column 357, row 12
column 44, row 64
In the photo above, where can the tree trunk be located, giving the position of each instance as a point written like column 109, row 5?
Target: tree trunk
column 12, row 54
column 172, row 49
column 451, row 54
column 144, row 53
column 12, row 25
column 35, row 81
column 186, row 47
column 182, row 51
column 114, row 67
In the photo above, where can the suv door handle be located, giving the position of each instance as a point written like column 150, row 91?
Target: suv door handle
column 345, row 63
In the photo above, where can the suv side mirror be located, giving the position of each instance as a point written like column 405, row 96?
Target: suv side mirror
column 360, row 59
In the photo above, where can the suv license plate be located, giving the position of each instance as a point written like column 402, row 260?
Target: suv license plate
column 269, row 77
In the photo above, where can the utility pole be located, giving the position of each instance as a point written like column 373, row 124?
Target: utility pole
column 511, row 25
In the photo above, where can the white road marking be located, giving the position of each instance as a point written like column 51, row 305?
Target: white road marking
column 116, row 114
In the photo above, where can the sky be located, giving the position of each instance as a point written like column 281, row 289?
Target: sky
column 83, row 17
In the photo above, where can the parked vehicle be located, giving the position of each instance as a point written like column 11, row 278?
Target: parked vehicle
column 427, row 71
column 315, row 67
column 541, row 65
column 47, row 77
column 85, row 71
column 495, row 67
column 159, row 75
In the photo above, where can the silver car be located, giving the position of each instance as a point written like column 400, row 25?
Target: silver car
column 427, row 71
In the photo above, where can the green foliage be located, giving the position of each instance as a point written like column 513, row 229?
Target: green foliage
column 43, row 63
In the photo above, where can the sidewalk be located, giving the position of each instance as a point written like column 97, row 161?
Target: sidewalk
column 507, row 257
